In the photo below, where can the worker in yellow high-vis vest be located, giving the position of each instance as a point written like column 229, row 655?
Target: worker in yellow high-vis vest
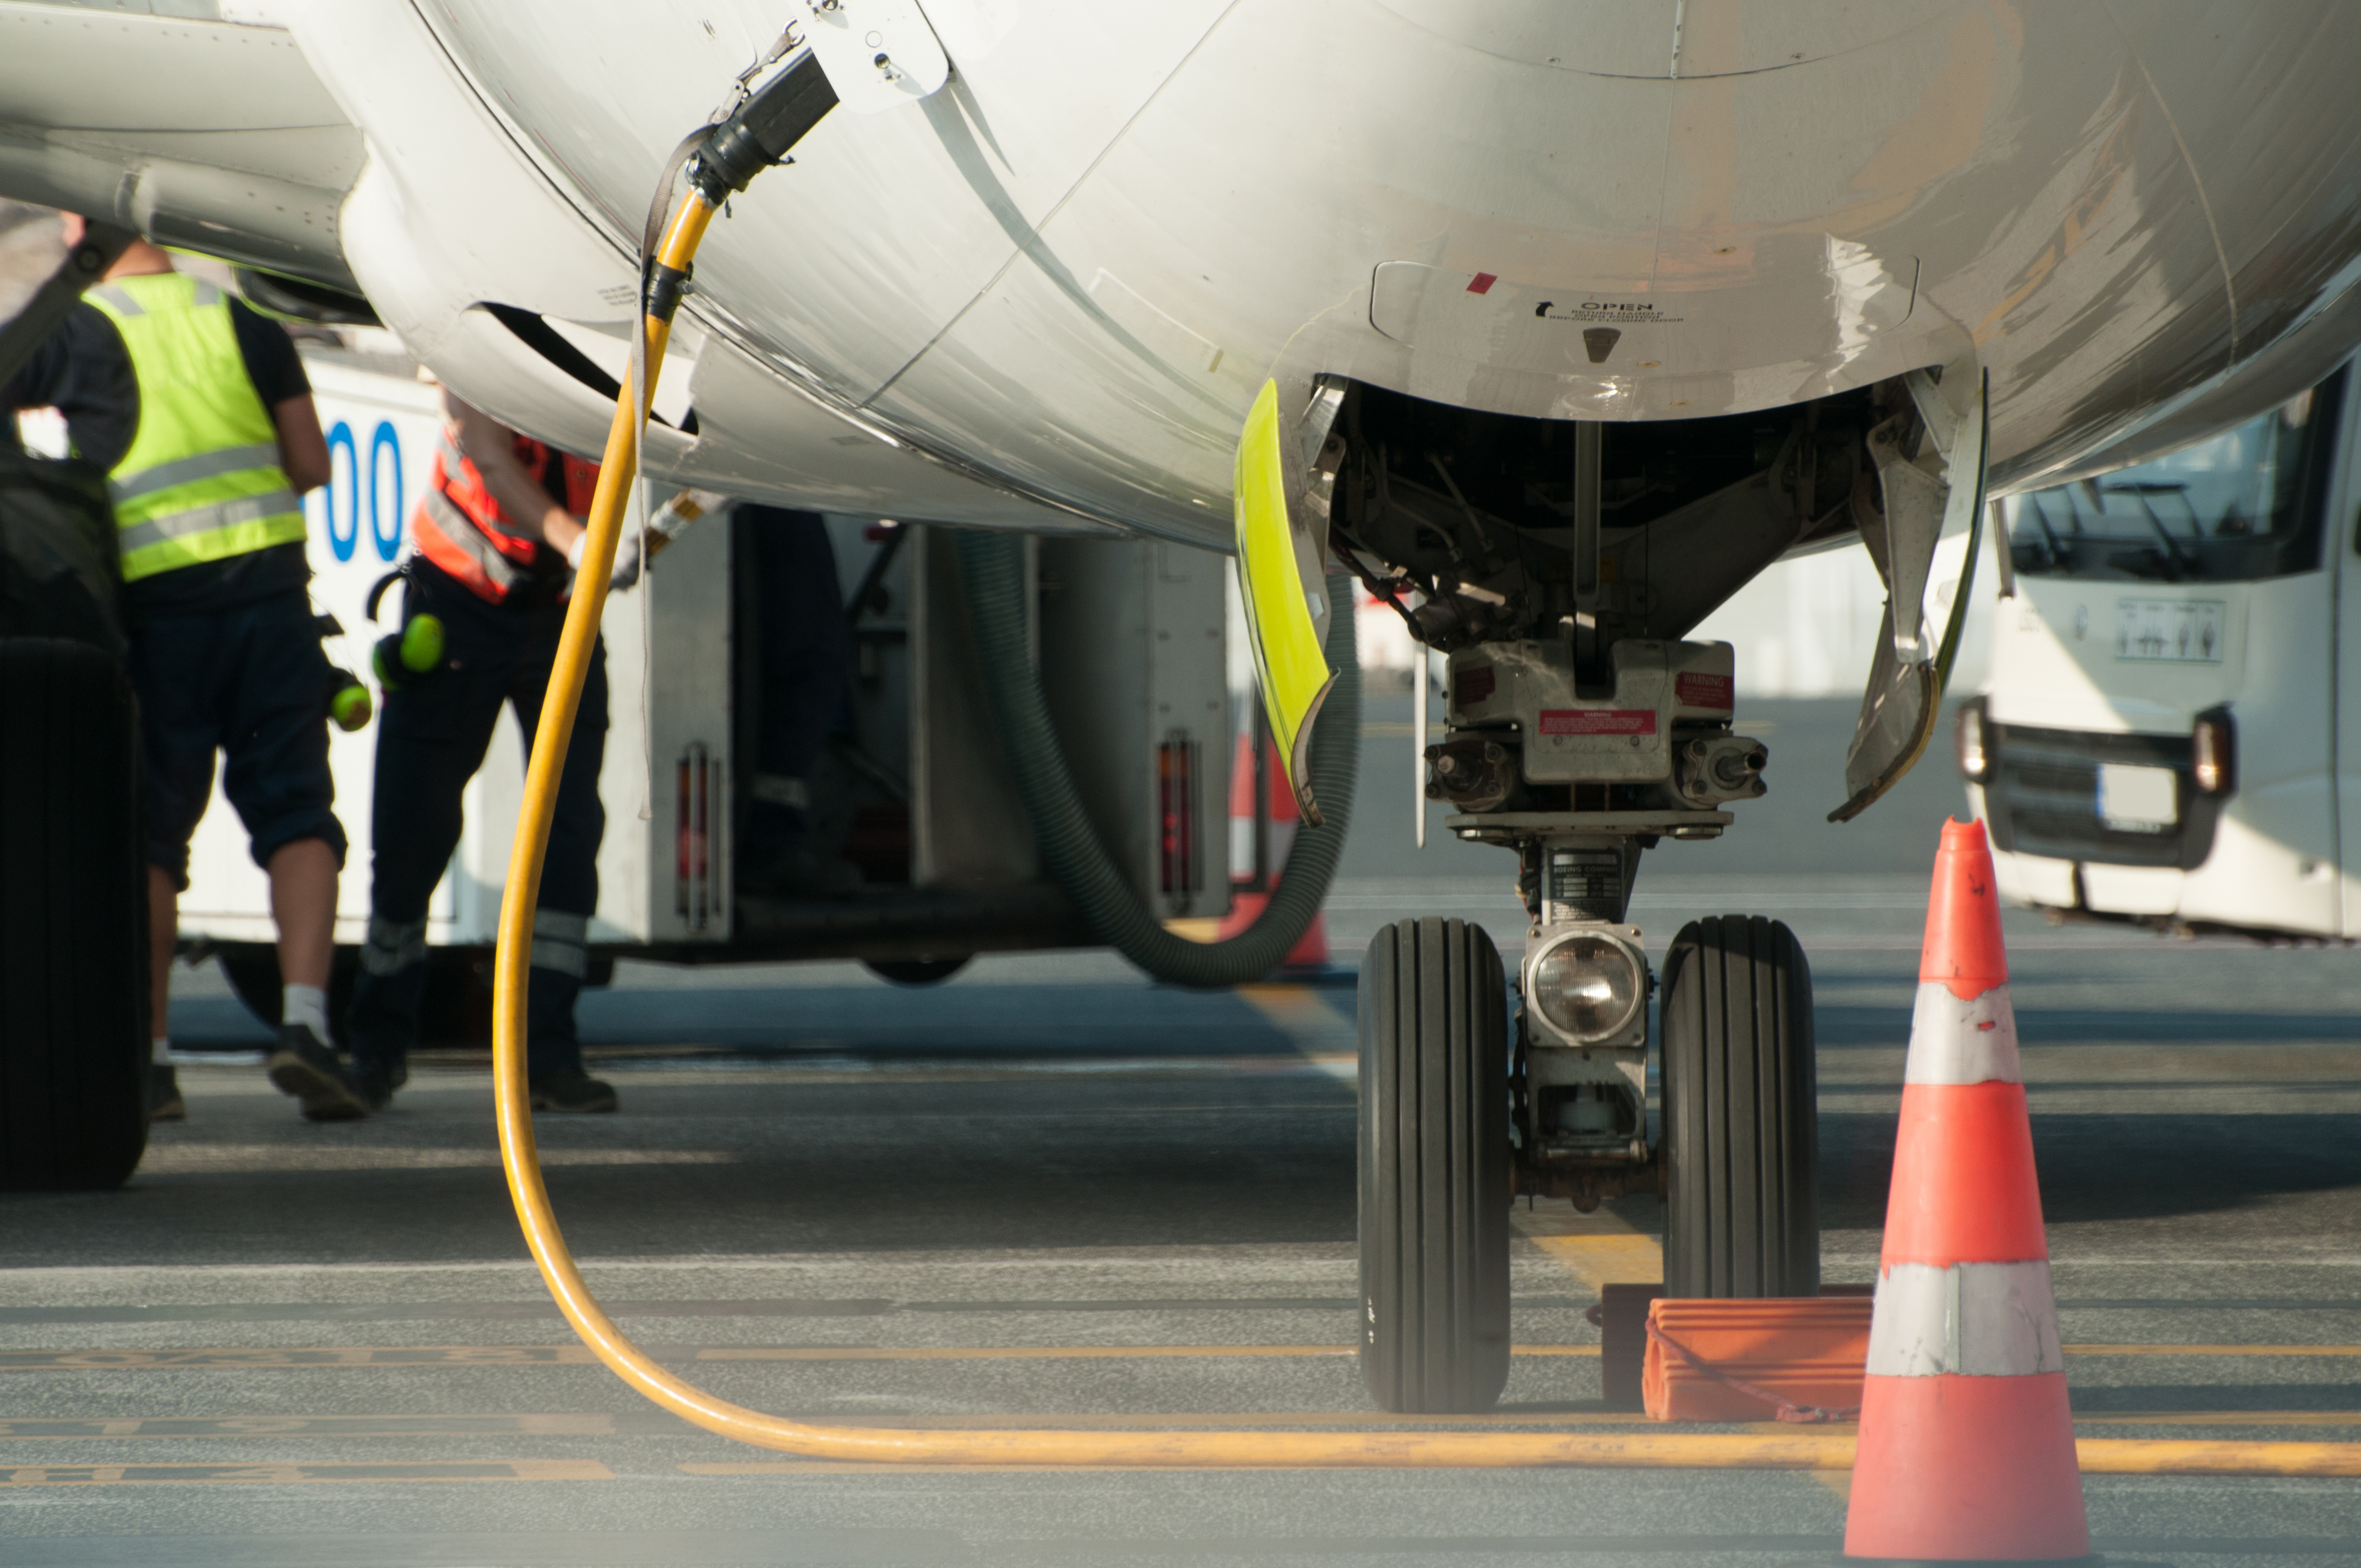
column 200, row 412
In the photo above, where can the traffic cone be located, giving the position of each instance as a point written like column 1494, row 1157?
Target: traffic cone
column 1966, row 1447
column 1247, row 901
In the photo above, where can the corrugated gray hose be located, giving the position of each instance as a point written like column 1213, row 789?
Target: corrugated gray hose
column 993, row 562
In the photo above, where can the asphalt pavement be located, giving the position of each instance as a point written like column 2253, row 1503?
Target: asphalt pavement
column 1052, row 1191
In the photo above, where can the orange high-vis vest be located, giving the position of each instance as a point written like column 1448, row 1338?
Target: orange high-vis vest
column 463, row 529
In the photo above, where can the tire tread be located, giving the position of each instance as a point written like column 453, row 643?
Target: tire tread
column 1434, row 1152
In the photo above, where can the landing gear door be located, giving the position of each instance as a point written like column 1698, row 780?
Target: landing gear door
column 1905, row 698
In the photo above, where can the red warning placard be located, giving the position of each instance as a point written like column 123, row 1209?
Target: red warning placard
column 1599, row 721
column 1699, row 689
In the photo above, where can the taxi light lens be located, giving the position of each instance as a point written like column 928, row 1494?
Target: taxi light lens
column 1588, row 987
column 2213, row 754
column 1975, row 762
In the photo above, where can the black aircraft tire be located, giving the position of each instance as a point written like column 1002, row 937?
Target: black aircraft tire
column 1435, row 1160
column 73, row 921
column 1741, row 1117
column 917, row 972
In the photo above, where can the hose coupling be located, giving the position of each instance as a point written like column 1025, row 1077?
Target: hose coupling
column 758, row 133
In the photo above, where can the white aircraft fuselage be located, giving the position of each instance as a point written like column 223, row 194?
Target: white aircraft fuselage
column 1070, row 271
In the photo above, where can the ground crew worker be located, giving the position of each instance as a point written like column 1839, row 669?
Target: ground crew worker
column 203, row 417
column 494, row 540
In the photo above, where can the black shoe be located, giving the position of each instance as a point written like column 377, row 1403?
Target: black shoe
column 376, row 1081
column 571, row 1090
column 309, row 1071
column 164, row 1102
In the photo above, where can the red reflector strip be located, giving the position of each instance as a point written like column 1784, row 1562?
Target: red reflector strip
column 1483, row 283
column 1599, row 721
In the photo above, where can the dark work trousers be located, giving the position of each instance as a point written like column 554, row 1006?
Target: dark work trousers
column 805, row 648
column 430, row 740
column 249, row 682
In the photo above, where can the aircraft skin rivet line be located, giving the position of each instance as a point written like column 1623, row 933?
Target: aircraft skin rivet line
column 1202, row 1449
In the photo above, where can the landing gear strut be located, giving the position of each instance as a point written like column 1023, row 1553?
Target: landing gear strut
column 1463, row 1110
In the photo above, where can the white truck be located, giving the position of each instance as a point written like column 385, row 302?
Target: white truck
column 1130, row 637
column 2170, row 732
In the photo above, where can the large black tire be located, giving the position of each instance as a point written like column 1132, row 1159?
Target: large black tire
column 917, row 972
column 1434, row 1167
column 1741, row 1113
column 74, row 920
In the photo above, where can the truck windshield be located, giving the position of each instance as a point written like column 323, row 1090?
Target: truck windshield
column 2243, row 505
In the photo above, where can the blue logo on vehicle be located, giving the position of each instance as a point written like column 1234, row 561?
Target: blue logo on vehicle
column 343, row 481
column 385, row 520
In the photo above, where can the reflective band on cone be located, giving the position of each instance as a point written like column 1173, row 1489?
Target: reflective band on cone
column 1967, row 1445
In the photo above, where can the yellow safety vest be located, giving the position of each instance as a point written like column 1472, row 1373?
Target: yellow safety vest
column 202, row 481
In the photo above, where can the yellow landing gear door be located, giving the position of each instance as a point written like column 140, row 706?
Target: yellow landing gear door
column 1283, row 589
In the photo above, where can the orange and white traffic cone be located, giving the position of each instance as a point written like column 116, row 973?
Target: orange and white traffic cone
column 1966, row 1447
column 1249, row 891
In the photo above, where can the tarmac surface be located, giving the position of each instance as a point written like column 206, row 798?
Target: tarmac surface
column 1049, row 1191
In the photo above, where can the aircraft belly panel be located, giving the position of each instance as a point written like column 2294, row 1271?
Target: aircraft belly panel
column 891, row 223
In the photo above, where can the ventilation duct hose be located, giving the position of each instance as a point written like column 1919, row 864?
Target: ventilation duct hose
column 994, row 564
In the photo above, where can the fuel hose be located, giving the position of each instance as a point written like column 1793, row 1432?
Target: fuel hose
column 994, row 568
column 753, row 138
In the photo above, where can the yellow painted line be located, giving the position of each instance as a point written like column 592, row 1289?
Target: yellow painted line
column 107, row 1428
column 279, row 1359
column 1010, row 1353
column 2225, row 1419
column 284, row 1475
column 1597, row 1249
column 1595, row 1261
column 1294, row 1008
column 2213, row 1349
column 1064, row 1352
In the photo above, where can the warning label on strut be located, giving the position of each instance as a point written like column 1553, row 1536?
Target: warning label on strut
column 1695, row 688
column 1599, row 721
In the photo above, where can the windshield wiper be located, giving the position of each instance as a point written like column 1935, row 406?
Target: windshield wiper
column 2183, row 561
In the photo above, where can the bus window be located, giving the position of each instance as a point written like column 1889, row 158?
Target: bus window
column 2244, row 505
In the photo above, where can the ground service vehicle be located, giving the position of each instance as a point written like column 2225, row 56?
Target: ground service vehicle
column 2164, row 737
column 914, row 788
column 1553, row 325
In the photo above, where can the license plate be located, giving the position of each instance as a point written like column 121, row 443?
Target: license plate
column 2132, row 799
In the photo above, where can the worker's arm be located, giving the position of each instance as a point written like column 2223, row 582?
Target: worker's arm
column 491, row 447
column 303, row 449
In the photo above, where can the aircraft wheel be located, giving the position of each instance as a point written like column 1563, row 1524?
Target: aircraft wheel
column 74, row 920
column 1740, row 1116
column 1434, row 1167
column 917, row 972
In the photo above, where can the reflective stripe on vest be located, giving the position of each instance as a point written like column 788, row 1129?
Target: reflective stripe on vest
column 461, row 527
column 202, row 480
column 449, row 538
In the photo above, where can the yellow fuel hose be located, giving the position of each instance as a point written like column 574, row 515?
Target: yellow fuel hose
column 1034, row 1446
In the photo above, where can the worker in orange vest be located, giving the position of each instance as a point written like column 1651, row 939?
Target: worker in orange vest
column 494, row 543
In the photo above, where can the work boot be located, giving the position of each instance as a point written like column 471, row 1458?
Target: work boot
column 305, row 1068
column 571, row 1089
column 164, row 1102
column 376, row 1081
